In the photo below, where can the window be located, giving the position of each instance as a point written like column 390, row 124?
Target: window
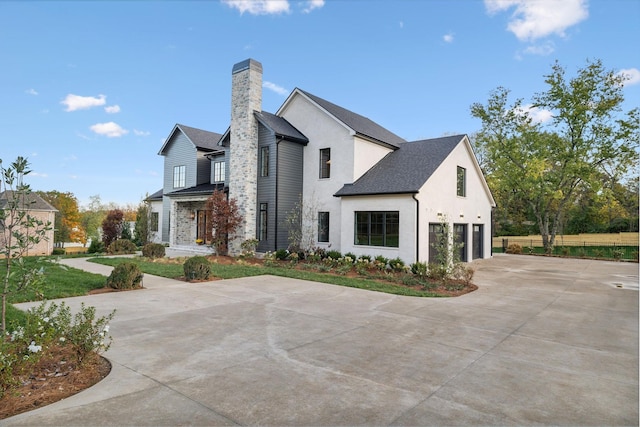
column 323, row 226
column 462, row 182
column 153, row 226
column 179, row 176
column 262, row 230
column 264, row 161
column 219, row 171
column 325, row 163
column 377, row 228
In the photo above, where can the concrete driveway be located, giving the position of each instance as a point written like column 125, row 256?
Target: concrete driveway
column 543, row 341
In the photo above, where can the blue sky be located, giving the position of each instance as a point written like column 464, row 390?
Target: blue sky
column 90, row 90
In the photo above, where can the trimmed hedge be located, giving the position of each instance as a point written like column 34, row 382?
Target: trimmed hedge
column 125, row 276
column 197, row 268
column 153, row 250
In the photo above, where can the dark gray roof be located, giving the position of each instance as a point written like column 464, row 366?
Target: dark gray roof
column 31, row 202
column 404, row 170
column 281, row 127
column 155, row 196
column 198, row 190
column 360, row 124
column 203, row 139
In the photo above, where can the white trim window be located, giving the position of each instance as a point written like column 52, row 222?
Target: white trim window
column 219, row 170
column 179, row 176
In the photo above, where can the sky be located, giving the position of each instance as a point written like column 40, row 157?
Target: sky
column 89, row 91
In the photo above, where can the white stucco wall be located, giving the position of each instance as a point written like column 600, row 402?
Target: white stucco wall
column 365, row 155
column 438, row 195
column 404, row 204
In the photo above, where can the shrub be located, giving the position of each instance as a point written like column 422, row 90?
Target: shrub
column 514, row 248
column 463, row 272
column 249, row 248
column 396, row 264
column 96, row 247
column 125, row 276
column 58, row 251
column 334, row 255
column 617, row 254
column 365, row 257
column 351, row 255
column 197, row 268
column 420, row 269
column 282, row 254
column 153, row 250
column 437, row 272
column 122, row 246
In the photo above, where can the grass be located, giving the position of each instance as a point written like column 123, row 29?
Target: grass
column 60, row 282
column 234, row 271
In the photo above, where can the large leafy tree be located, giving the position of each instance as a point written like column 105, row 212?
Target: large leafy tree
column 91, row 218
column 546, row 164
column 67, row 224
column 112, row 226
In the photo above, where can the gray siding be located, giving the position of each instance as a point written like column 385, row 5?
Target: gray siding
column 289, row 186
column 267, row 189
column 179, row 151
column 203, row 169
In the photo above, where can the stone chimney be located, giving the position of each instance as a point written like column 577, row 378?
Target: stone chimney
column 246, row 97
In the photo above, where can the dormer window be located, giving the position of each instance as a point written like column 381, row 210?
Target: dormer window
column 179, row 176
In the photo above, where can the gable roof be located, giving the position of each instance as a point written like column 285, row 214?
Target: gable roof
column 281, row 127
column 33, row 202
column 198, row 190
column 155, row 196
column 405, row 170
column 203, row 140
column 361, row 125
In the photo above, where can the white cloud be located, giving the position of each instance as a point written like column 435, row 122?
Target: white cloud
column 313, row 4
column 76, row 102
column 109, row 129
column 543, row 49
column 537, row 115
column 448, row 38
column 259, row 7
column 141, row 132
column 31, row 91
column 39, row 175
column 401, row 23
column 632, row 74
column 112, row 109
column 534, row 19
column 275, row 88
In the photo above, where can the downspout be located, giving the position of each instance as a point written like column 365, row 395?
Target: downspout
column 417, row 227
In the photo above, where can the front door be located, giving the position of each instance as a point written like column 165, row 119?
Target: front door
column 460, row 233
column 202, row 232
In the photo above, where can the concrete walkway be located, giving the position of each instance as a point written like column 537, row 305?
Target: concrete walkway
column 543, row 341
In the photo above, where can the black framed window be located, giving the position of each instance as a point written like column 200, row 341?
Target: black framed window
column 325, row 163
column 323, row 226
column 377, row 228
column 262, row 230
column 264, row 161
column 461, row 182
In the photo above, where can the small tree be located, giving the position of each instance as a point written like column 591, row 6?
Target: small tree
column 112, row 226
column 447, row 250
column 223, row 220
column 301, row 222
column 19, row 231
column 141, row 231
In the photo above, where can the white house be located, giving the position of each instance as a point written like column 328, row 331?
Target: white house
column 367, row 190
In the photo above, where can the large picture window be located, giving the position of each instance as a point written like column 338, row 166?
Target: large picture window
column 377, row 228
column 179, row 176
column 325, row 163
column 219, row 171
column 323, row 226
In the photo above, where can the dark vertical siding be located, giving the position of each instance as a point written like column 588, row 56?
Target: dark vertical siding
column 203, row 169
column 179, row 151
column 290, row 156
column 267, row 188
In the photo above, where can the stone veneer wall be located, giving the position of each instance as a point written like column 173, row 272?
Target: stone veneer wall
column 246, row 97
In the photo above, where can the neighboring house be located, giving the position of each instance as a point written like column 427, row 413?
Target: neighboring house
column 38, row 208
column 364, row 189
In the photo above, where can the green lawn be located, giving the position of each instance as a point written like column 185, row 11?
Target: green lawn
column 234, row 271
column 60, row 281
